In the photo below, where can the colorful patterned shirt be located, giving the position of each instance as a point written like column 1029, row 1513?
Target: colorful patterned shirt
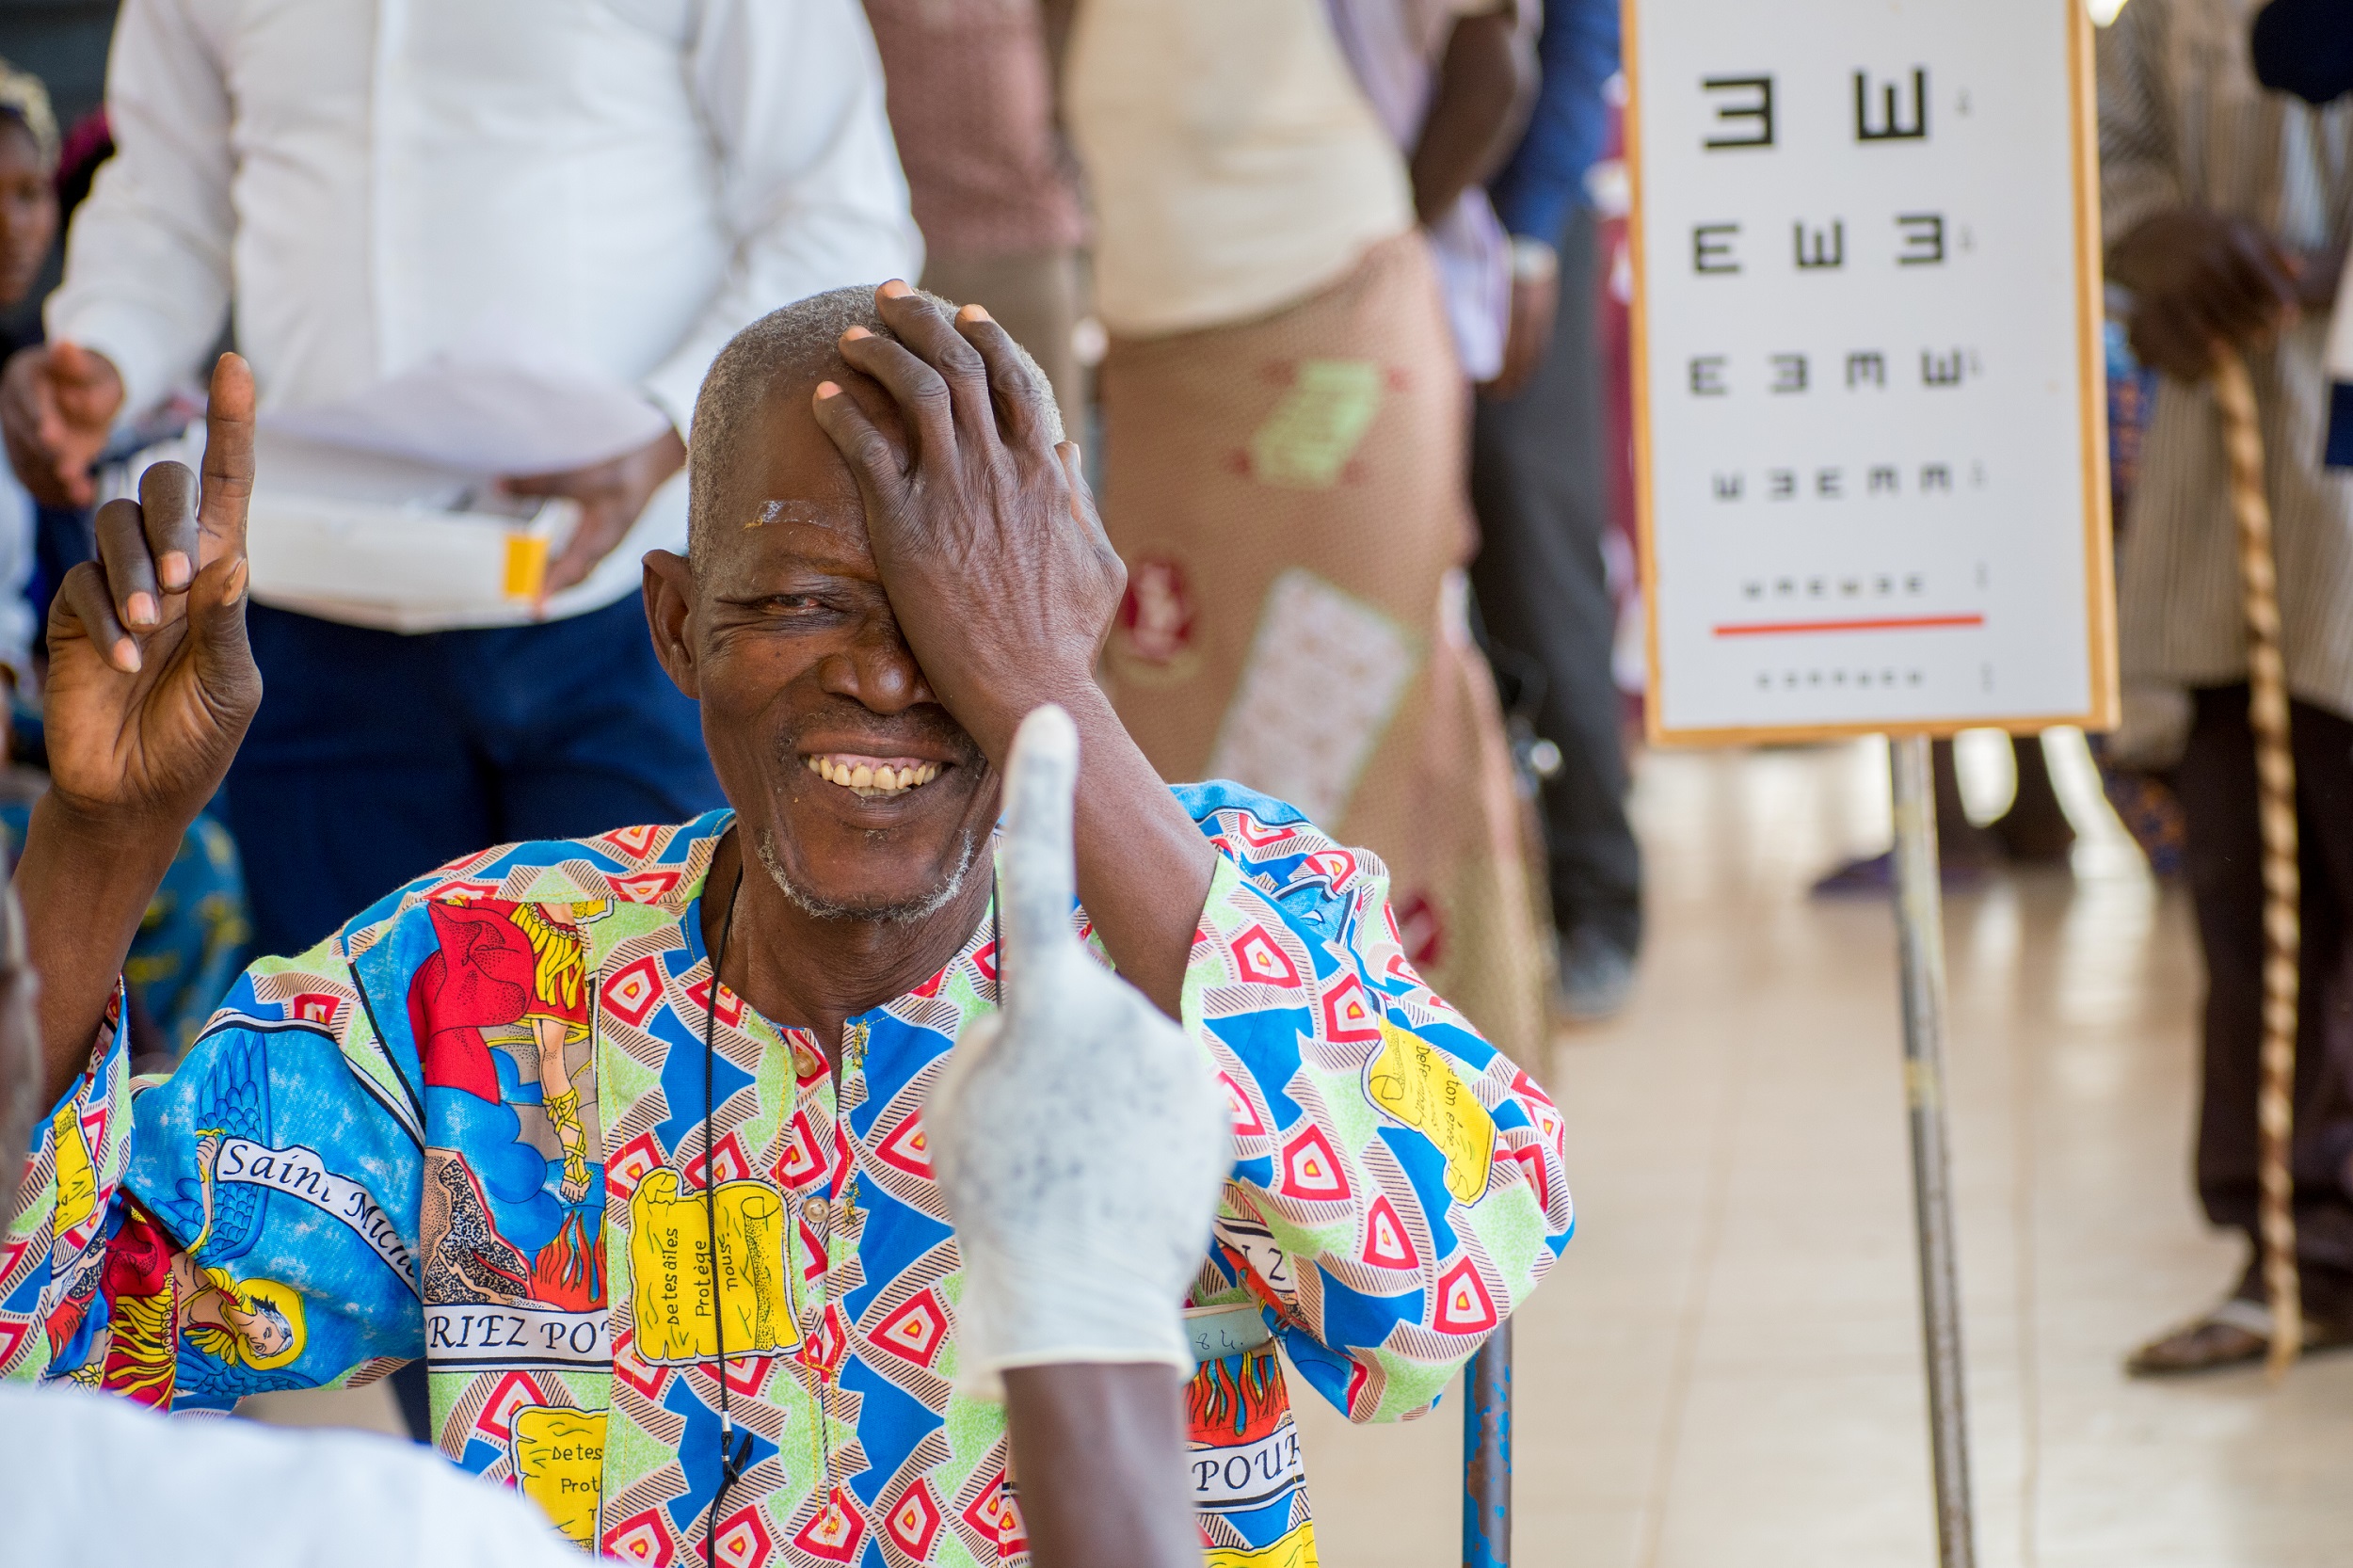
column 470, row 1127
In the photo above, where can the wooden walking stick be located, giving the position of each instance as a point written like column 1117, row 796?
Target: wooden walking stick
column 2275, row 774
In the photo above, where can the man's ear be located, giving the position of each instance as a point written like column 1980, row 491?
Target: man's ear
column 669, row 608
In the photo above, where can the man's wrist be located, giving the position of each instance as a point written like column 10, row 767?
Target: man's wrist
column 103, row 842
column 1080, row 697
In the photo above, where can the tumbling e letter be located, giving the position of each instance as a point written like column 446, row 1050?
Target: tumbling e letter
column 1824, row 249
column 1757, row 107
column 1923, row 239
column 1711, row 248
column 1891, row 126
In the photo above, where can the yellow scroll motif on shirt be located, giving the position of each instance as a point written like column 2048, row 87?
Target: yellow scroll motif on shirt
column 77, row 1177
column 1296, row 1549
column 559, row 1464
column 1412, row 1081
column 671, row 1289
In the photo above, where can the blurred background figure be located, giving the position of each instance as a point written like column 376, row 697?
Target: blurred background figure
column 1540, row 487
column 29, row 146
column 634, row 184
column 972, row 107
column 192, row 941
column 1284, row 421
column 2225, row 209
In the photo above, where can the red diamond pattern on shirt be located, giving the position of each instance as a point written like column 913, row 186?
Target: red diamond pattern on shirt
column 1464, row 1304
column 637, row 842
column 915, row 1522
column 1247, row 1122
column 629, row 1164
column 730, row 1005
column 1541, row 1111
column 649, row 887
column 1259, row 835
column 1261, row 958
column 798, row 1165
column 742, row 1540
column 315, row 1007
column 1311, row 1172
column 632, row 993
column 644, row 1538
column 729, row 1159
column 906, row 1149
column 1350, row 1015
column 916, row 1331
column 514, row 1391
column 1387, row 1245
column 990, row 1511
column 836, row 1531
column 822, row 1351
column 1334, row 866
column 1531, row 1160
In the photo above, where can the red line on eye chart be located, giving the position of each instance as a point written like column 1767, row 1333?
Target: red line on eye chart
column 1878, row 623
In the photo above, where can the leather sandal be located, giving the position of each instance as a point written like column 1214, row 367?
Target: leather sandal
column 2232, row 1334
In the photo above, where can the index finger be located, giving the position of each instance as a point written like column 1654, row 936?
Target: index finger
column 1041, row 877
column 228, row 461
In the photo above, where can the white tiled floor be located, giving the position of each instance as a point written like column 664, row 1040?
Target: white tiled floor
column 1725, row 1368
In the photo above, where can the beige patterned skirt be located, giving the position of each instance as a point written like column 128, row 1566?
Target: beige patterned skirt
column 1288, row 496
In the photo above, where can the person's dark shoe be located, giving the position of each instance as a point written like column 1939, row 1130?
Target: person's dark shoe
column 1596, row 975
column 2232, row 1334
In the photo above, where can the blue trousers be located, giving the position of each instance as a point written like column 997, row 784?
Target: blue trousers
column 378, row 756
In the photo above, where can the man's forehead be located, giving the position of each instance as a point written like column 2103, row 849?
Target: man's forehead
column 788, row 458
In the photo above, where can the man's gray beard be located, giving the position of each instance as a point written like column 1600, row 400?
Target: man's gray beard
column 764, row 846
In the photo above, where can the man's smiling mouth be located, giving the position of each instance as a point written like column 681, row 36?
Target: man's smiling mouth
column 874, row 777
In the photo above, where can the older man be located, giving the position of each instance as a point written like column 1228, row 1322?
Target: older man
column 495, row 1121
column 2226, row 210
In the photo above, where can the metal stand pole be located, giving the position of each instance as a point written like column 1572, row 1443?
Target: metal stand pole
column 1487, row 1454
column 1920, row 943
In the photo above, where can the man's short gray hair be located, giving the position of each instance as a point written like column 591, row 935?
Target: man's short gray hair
column 787, row 350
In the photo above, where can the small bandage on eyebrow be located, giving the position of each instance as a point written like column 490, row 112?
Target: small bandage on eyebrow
column 783, row 511
column 810, row 514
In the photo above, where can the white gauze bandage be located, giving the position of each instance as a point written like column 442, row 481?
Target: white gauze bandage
column 1079, row 1136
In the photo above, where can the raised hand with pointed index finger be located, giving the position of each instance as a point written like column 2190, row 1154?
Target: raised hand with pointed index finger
column 151, row 685
column 151, row 681
column 1079, row 1135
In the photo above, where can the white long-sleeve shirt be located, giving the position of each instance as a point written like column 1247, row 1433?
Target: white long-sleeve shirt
column 365, row 181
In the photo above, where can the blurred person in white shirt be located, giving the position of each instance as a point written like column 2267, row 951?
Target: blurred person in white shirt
column 363, row 185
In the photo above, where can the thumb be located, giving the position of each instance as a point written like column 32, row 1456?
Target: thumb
column 1040, row 877
column 224, row 659
column 70, row 362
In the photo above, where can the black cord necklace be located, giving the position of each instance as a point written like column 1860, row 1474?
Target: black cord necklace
column 734, row 1458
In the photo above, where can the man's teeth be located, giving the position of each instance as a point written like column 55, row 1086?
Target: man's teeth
column 872, row 779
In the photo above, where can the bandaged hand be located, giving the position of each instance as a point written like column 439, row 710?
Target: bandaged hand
column 1078, row 1134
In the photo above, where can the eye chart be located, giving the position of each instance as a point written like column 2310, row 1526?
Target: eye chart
column 1871, row 407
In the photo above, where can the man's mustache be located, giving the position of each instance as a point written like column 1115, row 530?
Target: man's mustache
column 852, row 729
